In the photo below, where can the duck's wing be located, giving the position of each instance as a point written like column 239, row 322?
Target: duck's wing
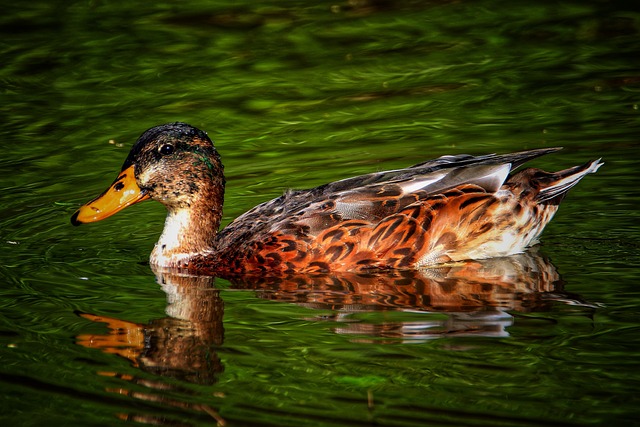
column 424, row 168
column 373, row 197
column 374, row 202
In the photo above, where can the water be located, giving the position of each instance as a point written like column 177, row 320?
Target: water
column 295, row 96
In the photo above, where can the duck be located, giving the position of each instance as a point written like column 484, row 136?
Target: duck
column 446, row 210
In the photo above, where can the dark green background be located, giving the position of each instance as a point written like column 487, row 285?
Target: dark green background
column 296, row 94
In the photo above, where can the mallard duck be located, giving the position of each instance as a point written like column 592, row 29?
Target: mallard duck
column 448, row 209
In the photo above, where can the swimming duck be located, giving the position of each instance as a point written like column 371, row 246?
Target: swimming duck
column 448, row 209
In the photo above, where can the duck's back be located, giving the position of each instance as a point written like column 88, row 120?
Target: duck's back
column 450, row 208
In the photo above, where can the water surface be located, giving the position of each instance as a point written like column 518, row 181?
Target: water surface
column 295, row 96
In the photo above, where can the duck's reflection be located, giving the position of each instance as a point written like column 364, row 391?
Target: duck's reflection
column 473, row 298
column 476, row 297
column 177, row 346
column 180, row 346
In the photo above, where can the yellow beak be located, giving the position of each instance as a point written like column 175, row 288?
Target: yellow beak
column 123, row 192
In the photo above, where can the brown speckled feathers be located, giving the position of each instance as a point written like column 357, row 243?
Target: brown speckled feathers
column 451, row 208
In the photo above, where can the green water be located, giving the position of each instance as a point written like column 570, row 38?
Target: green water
column 296, row 94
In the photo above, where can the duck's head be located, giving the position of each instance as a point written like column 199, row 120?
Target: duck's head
column 175, row 164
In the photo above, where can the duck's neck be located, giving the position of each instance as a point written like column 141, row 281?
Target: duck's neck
column 188, row 231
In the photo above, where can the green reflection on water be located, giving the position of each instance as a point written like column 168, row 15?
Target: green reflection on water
column 295, row 96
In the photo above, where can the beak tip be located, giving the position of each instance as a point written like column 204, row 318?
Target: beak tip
column 74, row 219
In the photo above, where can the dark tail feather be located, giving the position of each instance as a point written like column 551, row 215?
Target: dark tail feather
column 516, row 159
column 556, row 185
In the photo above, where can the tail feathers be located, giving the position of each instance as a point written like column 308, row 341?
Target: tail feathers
column 561, row 182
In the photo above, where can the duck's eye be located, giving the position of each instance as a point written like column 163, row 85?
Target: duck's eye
column 166, row 149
